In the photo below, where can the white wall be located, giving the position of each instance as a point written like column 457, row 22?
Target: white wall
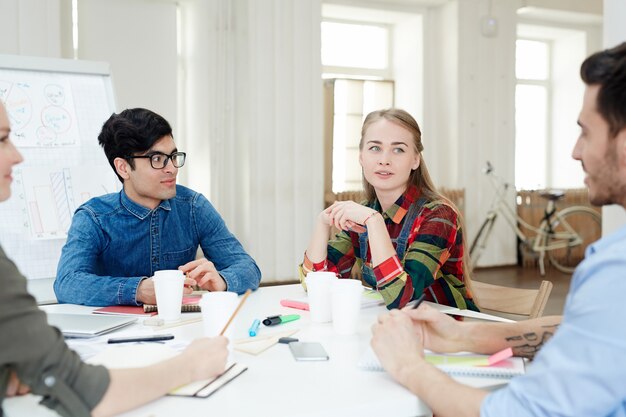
column 613, row 217
column 138, row 39
column 31, row 27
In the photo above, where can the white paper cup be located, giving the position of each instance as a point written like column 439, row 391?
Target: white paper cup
column 345, row 296
column 318, row 288
column 168, row 287
column 217, row 307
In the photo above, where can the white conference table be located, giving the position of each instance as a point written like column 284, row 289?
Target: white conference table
column 275, row 384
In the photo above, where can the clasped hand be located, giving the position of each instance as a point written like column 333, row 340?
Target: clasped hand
column 203, row 273
column 347, row 215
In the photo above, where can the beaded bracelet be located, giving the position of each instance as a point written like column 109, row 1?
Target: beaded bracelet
column 369, row 217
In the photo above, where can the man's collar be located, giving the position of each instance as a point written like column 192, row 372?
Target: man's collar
column 138, row 210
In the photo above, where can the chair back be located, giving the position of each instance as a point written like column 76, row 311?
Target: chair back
column 508, row 300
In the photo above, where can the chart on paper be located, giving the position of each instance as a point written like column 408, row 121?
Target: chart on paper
column 50, row 197
column 56, row 109
column 40, row 109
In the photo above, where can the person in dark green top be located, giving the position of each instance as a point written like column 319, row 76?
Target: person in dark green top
column 34, row 357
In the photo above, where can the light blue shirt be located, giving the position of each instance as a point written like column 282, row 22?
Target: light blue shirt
column 581, row 371
column 113, row 243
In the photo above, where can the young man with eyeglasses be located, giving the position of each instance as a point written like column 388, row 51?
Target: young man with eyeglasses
column 117, row 241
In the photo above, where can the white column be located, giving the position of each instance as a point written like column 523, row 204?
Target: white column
column 486, row 123
column 613, row 217
column 253, row 111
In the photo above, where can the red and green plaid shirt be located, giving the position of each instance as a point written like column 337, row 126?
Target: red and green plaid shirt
column 432, row 264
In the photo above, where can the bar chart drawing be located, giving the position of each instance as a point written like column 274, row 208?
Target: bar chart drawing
column 52, row 196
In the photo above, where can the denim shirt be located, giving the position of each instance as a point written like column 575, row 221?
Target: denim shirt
column 113, row 243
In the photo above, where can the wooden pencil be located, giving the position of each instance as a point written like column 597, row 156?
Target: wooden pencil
column 243, row 299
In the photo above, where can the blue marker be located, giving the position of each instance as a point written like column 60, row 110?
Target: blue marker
column 254, row 328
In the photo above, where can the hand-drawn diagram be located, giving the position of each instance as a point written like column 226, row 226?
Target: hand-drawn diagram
column 41, row 112
column 50, row 197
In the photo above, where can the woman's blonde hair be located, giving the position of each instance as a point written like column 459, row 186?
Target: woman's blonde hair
column 420, row 176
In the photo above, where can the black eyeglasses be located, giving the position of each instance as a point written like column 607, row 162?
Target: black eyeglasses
column 159, row 160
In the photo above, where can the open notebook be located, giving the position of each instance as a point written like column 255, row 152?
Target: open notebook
column 458, row 364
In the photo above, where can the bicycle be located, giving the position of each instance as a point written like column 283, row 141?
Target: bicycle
column 562, row 234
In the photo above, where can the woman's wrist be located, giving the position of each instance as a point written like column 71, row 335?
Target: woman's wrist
column 369, row 217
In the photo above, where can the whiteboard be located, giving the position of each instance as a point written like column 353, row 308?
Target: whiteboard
column 56, row 108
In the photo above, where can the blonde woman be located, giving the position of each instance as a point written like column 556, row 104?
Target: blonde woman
column 406, row 237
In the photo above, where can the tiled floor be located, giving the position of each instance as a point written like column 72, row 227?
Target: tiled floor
column 514, row 276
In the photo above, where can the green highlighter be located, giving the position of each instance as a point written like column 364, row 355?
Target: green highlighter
column 274, row 320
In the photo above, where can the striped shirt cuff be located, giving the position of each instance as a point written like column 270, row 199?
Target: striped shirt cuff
column 388, row 270
column 309, row 266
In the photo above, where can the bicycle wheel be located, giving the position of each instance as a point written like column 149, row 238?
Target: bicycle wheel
column 574, row 228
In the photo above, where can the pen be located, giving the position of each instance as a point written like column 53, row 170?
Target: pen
column 418, row 301
column 129, row 339
column 254, row 328
column 274, row 320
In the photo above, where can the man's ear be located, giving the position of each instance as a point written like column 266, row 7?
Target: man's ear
column 122, row 167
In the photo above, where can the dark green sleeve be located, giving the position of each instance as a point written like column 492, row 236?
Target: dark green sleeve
column 38, row 353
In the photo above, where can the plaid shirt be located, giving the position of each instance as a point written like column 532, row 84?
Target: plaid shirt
column 432, row 264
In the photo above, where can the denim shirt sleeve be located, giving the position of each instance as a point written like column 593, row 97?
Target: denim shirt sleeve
column 222, row 248
column 77, row 281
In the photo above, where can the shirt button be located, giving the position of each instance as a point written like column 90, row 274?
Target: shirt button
column 49, row 381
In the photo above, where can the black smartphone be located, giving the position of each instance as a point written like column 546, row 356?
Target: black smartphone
column 153, row 338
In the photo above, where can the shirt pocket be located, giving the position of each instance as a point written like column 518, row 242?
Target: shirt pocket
column 180, row 257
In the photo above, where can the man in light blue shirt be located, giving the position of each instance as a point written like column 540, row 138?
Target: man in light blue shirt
column 116, row 242
column 579, row 369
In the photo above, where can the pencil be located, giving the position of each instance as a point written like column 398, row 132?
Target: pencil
column 418, row 301
column 243, row 299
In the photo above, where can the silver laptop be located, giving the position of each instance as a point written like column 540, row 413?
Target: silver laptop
column 87, row 325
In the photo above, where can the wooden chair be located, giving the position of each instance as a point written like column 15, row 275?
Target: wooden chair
column 515, row 301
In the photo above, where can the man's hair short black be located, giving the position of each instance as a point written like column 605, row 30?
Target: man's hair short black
column 608, row 70
column 131, row 132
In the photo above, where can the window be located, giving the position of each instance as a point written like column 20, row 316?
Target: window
column 356, row 63
column 352, row 100
column 548, row 94
column 532, row 69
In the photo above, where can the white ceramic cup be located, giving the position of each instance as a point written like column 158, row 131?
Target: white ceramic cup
column 217, row 307
column 168, row 287
column 318, row 289
column 345, row 299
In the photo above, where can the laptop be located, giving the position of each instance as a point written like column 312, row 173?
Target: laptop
column 87, row 325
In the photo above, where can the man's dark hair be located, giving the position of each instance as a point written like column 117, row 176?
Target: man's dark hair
column 608, row 70
column 131, row 132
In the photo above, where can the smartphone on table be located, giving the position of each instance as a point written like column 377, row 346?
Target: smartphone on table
column 308, row 351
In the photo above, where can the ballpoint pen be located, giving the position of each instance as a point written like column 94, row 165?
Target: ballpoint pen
column 419, row 301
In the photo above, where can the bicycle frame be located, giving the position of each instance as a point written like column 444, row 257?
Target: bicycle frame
column 545, row 239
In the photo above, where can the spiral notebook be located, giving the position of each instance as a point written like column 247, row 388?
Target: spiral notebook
column 458, row 364
column 190, row 304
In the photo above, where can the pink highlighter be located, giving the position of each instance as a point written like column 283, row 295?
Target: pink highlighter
column 295, row 304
